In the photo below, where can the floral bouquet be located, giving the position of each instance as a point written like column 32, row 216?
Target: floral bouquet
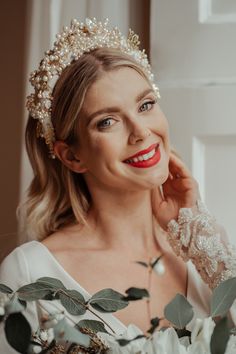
column 212, row 335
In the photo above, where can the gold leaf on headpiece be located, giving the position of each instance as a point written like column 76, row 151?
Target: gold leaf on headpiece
column 39, row 130
column 133, row 39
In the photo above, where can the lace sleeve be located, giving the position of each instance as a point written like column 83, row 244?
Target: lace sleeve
column 196, row 236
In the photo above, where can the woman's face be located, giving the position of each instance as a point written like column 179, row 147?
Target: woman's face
column 119, row 119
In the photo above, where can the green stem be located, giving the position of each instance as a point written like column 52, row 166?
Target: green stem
column 149, row 290
column 87, row 308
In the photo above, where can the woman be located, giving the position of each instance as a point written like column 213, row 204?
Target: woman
column 94, row 206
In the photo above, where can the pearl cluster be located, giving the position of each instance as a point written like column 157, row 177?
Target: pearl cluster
column 71, row 44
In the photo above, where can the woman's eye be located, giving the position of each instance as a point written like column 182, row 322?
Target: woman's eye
column 146, row 106
column 105, row 123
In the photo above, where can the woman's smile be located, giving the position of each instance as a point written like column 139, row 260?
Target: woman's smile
column 145, row 158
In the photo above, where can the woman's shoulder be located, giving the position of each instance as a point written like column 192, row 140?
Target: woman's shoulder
column 21, row 253
column 14, row 269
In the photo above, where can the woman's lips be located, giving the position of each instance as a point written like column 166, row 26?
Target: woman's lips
column 143, row 152
column 144, row 160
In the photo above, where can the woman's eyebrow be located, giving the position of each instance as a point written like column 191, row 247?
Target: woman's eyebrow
column 116, row 109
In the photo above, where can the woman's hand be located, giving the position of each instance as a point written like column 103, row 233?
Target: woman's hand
column 179, row 191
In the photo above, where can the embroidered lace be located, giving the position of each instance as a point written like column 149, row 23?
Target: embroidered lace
column 196, row 236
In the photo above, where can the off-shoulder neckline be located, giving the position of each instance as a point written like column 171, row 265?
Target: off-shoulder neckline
column 78, row 285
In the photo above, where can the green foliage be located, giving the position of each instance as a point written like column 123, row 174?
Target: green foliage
column 144, row 264
column 155, row 261
column 33, row 291
column 134, row 294
column 108, row 300
column 223, row 297
column 95, row 326
column 73, row 302
column 154, row 324
column 45, row 288
column 220, row 337
column 5, row 289
column 179, row 311
column 18, row 332
column 123, row 342
column 51, row 283
column 183, row 332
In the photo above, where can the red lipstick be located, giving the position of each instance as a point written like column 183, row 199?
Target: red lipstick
column 142, row 152
column 149, row 162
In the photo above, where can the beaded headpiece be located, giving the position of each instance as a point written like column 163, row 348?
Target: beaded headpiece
column 71, row 44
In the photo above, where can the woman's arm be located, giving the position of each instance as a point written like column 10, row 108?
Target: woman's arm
column 196, row 236
column 192, row 231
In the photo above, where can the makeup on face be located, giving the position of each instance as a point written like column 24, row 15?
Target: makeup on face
column 145, row 158
column 119, row 110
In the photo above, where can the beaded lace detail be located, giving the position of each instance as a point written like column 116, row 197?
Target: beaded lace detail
column 196, row 236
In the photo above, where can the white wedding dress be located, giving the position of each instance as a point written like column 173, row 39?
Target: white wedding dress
column 33, row 260
column 195, row 236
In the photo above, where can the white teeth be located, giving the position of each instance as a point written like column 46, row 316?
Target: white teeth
column 151, row 153
column 142, row 157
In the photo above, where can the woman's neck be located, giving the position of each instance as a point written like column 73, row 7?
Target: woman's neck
column 123, row 222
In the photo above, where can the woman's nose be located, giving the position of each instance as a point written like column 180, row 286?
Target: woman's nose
column 138, row 133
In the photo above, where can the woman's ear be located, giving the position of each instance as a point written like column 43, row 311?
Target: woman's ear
column 65, row 154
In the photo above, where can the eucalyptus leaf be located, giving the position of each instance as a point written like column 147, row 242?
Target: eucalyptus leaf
column 123, row 342
column 183, row 332
column 144, row 264
column 33, row 291
column 64, row 332
column 108, row 300
column 14, row 305
column 51, row 283
column 179, row 311
column 18, row 332
column 5, row 289
column 73, row 302
column 220, row 337
column 135, row 294
column 95, row 326
column 223, row 297
column 23, row 303
column 155, row 261
column 154, row 324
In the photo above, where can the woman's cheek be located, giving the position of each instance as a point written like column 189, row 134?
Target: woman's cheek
column 166, row 136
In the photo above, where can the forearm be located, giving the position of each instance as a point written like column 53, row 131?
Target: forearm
column 196, row 236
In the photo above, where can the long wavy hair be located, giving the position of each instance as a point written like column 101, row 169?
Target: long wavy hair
column 58, row 196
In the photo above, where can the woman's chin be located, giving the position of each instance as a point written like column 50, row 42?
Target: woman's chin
column 159, row 178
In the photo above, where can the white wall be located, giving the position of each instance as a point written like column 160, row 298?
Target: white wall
column 193, row 54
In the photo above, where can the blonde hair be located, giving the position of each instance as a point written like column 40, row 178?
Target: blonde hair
column 57, row 196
